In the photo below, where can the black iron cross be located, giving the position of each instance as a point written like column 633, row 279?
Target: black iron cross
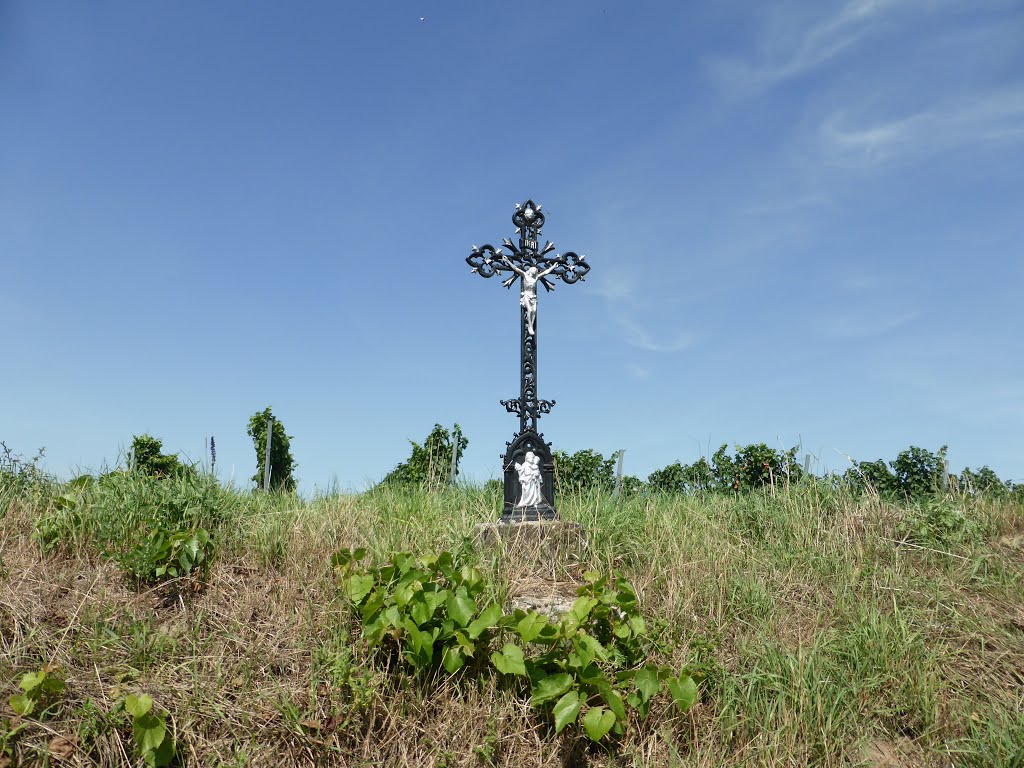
column 528, row 265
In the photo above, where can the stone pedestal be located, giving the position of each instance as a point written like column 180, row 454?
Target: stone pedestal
column 542, row 559
column 552, row 539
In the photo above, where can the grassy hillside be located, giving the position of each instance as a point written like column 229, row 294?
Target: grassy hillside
column 824, row 629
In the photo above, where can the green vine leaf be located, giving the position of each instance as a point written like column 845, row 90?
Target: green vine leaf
column 162, row 755
column 452, row 659
column 647, row 682
column 684, row 692
column 597, row 722
column 582, row 608
column 615, row 704
column 22, row 704
column 567, row 709
column 510, row 660
column 550, row 687
column 531, row 626
column 149, row 732
column 487, row 619
column 137, row 706
column 461, row 607
column 31, row 680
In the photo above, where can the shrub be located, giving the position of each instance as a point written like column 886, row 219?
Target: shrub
column 583, row 471
column 984, row 482
column 873, row 476
column 430, row 464
column 754, row 466
column 148, row 459
column 282, row 465
column 154, row 527
column 918, row 472
column 760, row 466
column 683, row 478
column 938, row 522
column 632, row 486
column 168, row 554
column 915, row 473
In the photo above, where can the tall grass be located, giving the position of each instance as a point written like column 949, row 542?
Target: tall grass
column 827, row 629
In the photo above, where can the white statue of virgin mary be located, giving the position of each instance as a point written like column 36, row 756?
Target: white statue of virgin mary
column 529, row 480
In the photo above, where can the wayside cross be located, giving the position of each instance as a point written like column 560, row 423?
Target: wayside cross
column 528, row 487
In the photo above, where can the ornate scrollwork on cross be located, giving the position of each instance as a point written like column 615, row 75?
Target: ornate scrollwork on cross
column 487, row 261
column 540, row 406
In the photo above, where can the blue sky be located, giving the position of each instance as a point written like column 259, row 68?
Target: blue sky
column 803, row 221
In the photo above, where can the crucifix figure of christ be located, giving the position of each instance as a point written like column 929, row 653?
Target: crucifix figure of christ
column 528, row 298
column 527, row 464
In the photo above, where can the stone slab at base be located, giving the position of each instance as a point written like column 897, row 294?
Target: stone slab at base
column 530, row 534
column 552, row 547
column 541, row 558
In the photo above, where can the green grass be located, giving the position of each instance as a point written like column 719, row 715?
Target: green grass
column 828, row 630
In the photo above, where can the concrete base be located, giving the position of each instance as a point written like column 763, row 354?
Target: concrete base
column 530, row 535
column 542, row 560
column 548, row 549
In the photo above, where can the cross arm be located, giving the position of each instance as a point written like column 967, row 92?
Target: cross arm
column 568, row 268
column 487, row 261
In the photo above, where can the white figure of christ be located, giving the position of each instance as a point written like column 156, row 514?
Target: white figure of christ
column 529, row 479
column 528, row 298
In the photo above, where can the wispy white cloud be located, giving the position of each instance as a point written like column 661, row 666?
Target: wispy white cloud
column 864, row 324
column 634, row 313
column 995, row 116
column 793, row 49
column 663, row 340
column 616, row 286
column 638, row 371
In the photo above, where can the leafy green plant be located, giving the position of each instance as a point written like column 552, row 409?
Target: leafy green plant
column 870, row 476
column 61, row 524
column 583, row 471
column 918, row 472
column 153, row 741
column 148, row 458
column 169, row 554
column 983, row 481
column 118, row 512
column 429, row 611
column 938, row 521
column 282, row 465
column 588, row 667
column 914, row 474
column 430, row 463
column 593, row 667
column 760, row 466
column 39, row 691
column 698, row 477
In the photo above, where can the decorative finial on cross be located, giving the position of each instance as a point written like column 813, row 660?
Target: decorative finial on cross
column 529, row 487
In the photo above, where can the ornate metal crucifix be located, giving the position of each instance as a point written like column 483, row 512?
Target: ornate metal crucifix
column 528, row 466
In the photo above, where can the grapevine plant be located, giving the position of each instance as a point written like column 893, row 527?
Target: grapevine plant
column 589, row 666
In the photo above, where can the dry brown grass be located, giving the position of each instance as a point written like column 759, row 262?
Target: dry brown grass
column 822, row 641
